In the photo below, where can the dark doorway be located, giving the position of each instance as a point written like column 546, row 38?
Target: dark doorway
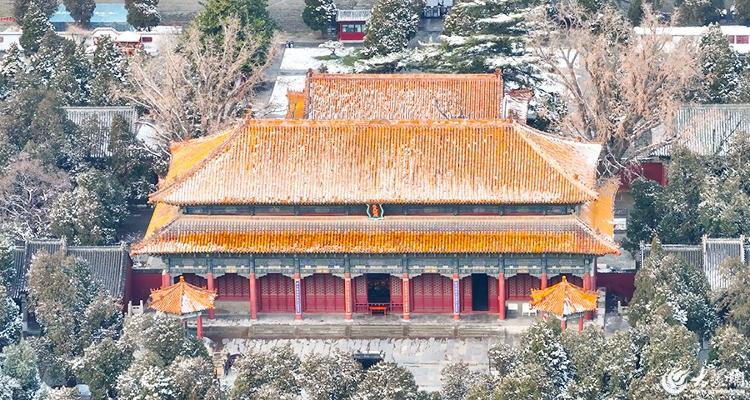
column 378, row 288
column 368, row 359
column 479, row 295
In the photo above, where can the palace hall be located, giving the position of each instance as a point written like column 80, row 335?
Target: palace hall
column 355, row 213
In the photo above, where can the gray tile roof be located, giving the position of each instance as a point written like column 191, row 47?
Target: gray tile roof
column 104, row 117
column 109, row 264
column 709, row 256
column 706, row 129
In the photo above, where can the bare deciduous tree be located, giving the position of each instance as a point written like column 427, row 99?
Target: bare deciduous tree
column 196, row 87
column 27, row 191
column 618, row 85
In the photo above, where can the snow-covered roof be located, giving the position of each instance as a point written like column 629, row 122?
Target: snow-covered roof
column 103, row 116
column 353, row 15
column 129, row 37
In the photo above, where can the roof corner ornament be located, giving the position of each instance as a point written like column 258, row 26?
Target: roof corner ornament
column 375, row 211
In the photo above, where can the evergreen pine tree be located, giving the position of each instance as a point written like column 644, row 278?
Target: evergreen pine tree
column 100, row 365
column 35, row 26
column 80, row 10
column 698, row 12
column 319, row 14
column 482, row 36
column 325, row 377
column 12, row 67
column 741, row 12
column 392, row 25
column 108, row 72
column 21, row 7
column 20, row 364
column 635, row 12
column 253, row 16
column 386, row 380
column 645, row 215
column 10, row 319
column 722, row 68
column 143, row 14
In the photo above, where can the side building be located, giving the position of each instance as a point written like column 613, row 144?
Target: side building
column 320, row 216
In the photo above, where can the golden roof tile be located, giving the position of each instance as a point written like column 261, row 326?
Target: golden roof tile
column 403, row 96
column 366, row 162
column 182, row 298
column 564, row 234
column 563, row 299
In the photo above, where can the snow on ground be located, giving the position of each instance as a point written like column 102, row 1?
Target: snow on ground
column 277, row 106
column 303, row 58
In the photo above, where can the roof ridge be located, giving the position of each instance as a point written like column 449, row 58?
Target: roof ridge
column 410, row 76
column 156, row 233
column 524, row 131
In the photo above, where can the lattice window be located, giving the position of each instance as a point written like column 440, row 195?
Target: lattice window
column 519, row 286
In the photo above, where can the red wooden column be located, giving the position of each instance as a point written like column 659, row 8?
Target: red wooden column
column 253, row 297
column 586, row 286
column 563, row 324
column 166, row 279
column 501, row 296
column 543, row 280
column 210, row 286
column 347, row 296
column 405, row 294
column 456, row 297
column 297, row 296
column 199, row 326
column 580, row 323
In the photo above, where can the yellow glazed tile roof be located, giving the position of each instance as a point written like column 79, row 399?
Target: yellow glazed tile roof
column 402, row 96
column 564, row 234
column 366, row 162
column 563, row 299
column 182, row 298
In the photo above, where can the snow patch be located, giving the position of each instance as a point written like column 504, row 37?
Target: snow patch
column 304, row 58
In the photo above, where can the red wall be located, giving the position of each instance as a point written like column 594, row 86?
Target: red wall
column 622, row 284
column 142, row 283
column 655, row 171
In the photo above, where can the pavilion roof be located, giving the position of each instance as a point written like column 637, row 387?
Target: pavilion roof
column 182, row 298
column 563, row 234
column 368, row 162
column 402, row 96
column 563, row 299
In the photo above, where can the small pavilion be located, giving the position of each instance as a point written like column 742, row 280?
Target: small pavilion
column 565, row 301
column 184, row 299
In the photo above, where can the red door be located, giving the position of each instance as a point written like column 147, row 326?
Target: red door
column 519, row 286
column 232, row 287
column 275, row 293
column 432, row 293
column 492, row 293
column 397, row 298
column 359, row 285
column 323, row 293
column 466, row 293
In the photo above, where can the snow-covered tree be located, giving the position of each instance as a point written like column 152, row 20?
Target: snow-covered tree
column 130, row 161
column 333, row 46
column 392, row 25
column 20, row 364
column 503, row 358
column 100, row 365
column 195, row 378
column 21, row 7
column 8, row 386
column 483, row 36
column 319, row 15
column 741, row 12
column 60, row 290
column 10, row 319
column 162, row 336
column 457, row 379
column 386, row 380
column 27, row 191
column 12, row 67
column 80, row 10
column 35, row 24
column 61, row 65
column 735, row 299
column 669, row 289
column 7, row 267
column 145, row 379
column 330, row 377
column 278, row 368
column 256, row 27
column 722, row 68
column 143, row 14
column 698, row 12
column 101, row 320
column 730, row 349
column 527, row 383
column 541, row 345
column 108, row 72
column 614, row 102
column 92, row 212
